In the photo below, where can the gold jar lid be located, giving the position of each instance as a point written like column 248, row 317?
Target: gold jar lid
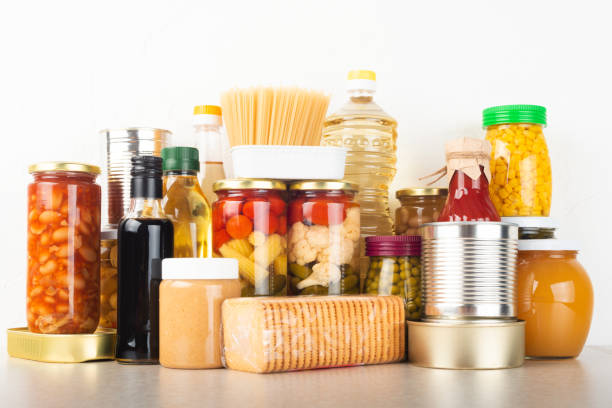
column 64, row 166
column 249, row 184
column 421, row 191
column 61, row 348
column 324, row 185
column 474, row 345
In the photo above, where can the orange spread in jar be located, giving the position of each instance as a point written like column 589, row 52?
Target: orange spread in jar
column 555, row 299
column 190, row 310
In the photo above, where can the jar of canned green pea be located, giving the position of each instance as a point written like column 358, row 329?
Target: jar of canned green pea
column 395, row 269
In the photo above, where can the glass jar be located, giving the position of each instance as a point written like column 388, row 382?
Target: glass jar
column 108, row 279
column 190, row 298
column 250, row 225
column 323, row 238
column 63, row 287
column 418, row 206
column 521, row 181
column 555, row 298
column 395, row 269
column 534, row 227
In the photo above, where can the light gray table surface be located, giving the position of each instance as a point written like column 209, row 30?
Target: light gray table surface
column 584, row 382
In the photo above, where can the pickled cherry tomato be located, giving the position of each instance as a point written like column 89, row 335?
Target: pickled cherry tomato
column 249, row 207
column 282, row 225
column 239, row 226
column 296, row 213
column 266, row 224
column 220, row 237
column 277, row 206
column 322, row 212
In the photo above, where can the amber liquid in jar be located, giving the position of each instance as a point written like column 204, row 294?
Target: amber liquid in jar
column 63, row 285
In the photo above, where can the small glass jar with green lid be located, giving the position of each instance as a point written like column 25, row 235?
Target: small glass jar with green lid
column 521, row 181
column 395, row 269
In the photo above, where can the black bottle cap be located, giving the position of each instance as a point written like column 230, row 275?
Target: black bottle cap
column 146, row 177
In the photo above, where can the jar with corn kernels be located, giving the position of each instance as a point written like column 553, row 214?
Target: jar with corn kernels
column 521, row 181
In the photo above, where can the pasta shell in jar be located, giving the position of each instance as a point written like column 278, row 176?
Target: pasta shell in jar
column 63, row 283
column 521, row 178
column 324, row 230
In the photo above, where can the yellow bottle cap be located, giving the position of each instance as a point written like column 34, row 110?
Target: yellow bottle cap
column 207, row 110
column 362, row 74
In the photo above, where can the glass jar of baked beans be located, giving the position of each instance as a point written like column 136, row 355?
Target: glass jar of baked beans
column 63, row 284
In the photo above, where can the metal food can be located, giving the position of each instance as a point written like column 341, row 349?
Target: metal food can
column 469, row 271
column 120, row 145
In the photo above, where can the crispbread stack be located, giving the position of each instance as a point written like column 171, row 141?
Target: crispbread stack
column 272, row 334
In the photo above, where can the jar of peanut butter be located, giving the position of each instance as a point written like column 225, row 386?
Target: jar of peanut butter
column 190, row 298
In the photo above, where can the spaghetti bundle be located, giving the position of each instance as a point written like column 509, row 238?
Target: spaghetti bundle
column 274, row 116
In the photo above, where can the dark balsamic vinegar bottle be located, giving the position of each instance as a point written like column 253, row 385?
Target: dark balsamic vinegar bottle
column 145, row 237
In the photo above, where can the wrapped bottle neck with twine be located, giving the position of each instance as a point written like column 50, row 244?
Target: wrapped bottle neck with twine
column 465, row 154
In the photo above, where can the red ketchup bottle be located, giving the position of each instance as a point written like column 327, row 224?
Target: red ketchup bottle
column 468, row 192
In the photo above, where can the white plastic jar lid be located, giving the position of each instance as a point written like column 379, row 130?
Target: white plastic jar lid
column 199, row 268
column 548, row 245
column 533, row 222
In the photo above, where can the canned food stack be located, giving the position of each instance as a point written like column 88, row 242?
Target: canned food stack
column 469, row 296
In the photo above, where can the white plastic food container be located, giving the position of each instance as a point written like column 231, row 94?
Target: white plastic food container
column 289, row 162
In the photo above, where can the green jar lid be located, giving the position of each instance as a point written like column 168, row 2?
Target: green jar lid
column 498, row 115
column 180, row 158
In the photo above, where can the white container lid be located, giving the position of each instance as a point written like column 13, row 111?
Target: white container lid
column 199, row 268
column 361, row 80
column 533, row 222
column 548, row 245
column 207, row 119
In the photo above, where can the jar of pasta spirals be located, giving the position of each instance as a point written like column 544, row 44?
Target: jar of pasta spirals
column 521, row 181
column 63, row 286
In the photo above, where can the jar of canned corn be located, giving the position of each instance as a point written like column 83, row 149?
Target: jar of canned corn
column 395, row 269
column 521, row 182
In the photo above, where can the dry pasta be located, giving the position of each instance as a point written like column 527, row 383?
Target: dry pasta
column 274, row 116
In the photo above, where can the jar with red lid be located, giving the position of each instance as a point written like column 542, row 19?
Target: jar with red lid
column 324, row 232
column 395, row 269
column 250, row 225
column 63, row 284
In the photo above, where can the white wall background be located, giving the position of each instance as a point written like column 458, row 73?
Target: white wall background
column 68, row 69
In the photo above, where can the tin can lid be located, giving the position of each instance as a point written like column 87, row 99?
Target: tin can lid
column 393, row 245
column 61, row 348
column 199, row 268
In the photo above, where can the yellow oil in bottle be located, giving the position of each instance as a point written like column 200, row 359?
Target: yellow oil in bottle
column 185, row 205
column 370, row 135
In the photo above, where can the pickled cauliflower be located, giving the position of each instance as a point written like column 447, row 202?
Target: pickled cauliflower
column 322, row 274
column 337, row 254
column 302, row 253
column 350, row 226
column 318, row 236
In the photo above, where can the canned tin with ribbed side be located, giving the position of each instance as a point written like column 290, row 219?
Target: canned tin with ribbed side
column 469, row 271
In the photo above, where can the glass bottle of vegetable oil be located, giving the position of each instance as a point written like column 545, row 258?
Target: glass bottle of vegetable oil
column 213, row 145
column 184, row 203
column 370, row 135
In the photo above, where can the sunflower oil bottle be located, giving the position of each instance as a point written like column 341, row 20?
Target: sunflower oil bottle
column 369, row 134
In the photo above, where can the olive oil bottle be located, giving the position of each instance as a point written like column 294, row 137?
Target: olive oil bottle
column 184, row 203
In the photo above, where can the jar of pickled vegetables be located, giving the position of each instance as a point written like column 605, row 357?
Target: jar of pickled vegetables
column 555, row 298
column 324, row 230
column 418, row 206
column 250, row 225
column 534, row 227
column 108, row 279
column 395, row 269
column 63, row 283
column 521, row 181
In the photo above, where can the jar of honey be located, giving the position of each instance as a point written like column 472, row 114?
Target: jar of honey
column 555, row 298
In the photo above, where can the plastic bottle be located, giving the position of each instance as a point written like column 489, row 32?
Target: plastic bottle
column 213, row 146
column 370, row 135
